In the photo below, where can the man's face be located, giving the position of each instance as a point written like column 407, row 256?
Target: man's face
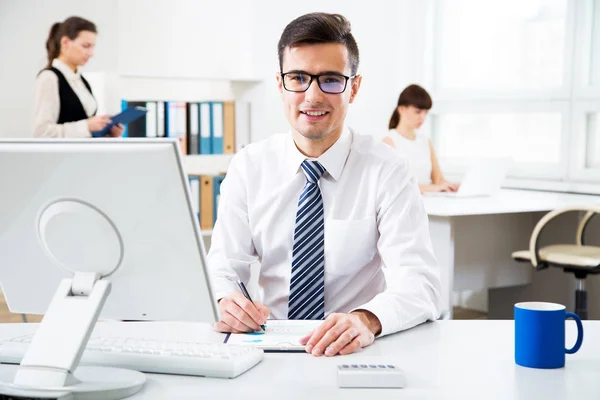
column 314, row 114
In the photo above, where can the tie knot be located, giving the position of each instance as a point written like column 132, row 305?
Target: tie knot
column 313, row 170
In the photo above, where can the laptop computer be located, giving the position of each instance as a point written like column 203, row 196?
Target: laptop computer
column 483, row 178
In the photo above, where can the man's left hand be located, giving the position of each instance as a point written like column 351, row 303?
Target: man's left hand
column 342, row 333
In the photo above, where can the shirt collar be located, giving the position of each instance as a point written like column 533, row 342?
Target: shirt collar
column 333, row 160
column 66, row 71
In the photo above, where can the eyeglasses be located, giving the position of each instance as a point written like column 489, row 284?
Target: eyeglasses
column 328, row 83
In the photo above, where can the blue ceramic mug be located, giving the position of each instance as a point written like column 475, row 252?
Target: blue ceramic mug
column 540, row 334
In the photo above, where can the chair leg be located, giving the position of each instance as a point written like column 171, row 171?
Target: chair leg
column 581, row 300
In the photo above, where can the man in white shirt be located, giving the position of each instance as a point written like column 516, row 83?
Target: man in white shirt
column 334, row 218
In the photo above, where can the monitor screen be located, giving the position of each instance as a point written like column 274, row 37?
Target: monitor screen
column 118, row 207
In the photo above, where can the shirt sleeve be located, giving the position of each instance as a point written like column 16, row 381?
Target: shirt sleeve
column 232, row 250
column 413, row 287
column 47, row 109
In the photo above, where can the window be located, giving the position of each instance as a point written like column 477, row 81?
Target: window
column 594, row 66
column 592, row 157
column 518, row 78
column 501, row 45
column 526, row 137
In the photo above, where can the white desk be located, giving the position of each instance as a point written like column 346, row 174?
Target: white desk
column 441, row 360
column 473, row 238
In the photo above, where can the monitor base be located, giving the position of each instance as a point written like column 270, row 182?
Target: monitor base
column 89, row 383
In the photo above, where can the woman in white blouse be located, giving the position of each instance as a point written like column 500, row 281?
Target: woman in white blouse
column 413, row 105
column 64, row 104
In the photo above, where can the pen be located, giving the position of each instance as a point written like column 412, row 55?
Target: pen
column 247, row 295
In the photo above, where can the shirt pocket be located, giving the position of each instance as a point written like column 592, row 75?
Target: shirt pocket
column 349, row 245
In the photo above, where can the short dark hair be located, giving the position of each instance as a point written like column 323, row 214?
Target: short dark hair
column 413, row 95
column 316, row 28
column 70, row 28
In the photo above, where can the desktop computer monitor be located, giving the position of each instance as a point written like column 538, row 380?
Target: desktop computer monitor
column 109, row 218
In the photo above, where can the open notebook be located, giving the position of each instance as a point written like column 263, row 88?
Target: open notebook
column 280, row 335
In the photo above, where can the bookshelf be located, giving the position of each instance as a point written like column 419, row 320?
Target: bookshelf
column 209, row 164
column 206, row 164
column 207, row 234
column 213, row 164
column 164, row 96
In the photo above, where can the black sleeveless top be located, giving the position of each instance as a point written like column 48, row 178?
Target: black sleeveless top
column 71, row 108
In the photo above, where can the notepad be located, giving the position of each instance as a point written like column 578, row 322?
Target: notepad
column 125, row 117
column 280, row 335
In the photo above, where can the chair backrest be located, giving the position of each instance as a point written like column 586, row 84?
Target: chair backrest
column 590, row 209
column 583, row 224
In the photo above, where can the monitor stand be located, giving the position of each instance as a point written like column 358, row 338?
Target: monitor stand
column 49, row 368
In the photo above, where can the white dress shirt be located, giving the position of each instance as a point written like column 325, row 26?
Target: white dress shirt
column 378, row 253
column 47, row 104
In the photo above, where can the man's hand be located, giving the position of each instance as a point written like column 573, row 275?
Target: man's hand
column 342, row 333
column 238, row 314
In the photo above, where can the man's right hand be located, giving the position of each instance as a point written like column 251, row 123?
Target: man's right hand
column 238, row 314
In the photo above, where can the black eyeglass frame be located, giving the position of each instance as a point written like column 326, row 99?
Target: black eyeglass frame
column 316, row 77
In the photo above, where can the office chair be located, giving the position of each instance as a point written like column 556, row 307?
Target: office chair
column 579, row 259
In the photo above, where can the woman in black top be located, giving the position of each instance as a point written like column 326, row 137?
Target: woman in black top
column 64, row 104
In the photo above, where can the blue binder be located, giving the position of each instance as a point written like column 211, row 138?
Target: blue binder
column 205, row 128
column 194, row 182
column 216, row 131
column 216, row 194
column 123, row 108
column 171, row 119
column 125, row 117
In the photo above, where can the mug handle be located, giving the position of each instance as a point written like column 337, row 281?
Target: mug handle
column 579, row 332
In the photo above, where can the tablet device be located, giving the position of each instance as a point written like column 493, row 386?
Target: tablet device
column 125, row 117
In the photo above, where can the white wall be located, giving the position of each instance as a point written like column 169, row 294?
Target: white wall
column 390, row 36
column 24, row 27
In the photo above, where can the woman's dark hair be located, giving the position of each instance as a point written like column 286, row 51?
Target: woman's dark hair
column 70, row 28
column 316, row 28
column 413, row 95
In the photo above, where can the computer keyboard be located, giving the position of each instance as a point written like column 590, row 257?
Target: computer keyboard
column 217, row 360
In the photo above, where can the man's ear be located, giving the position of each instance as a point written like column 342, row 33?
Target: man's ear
column 354, row 87
column 279, row 82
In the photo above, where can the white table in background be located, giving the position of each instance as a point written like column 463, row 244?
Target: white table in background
column 473, row 238
column 441, row 360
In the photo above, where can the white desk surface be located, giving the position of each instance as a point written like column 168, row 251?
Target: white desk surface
column 441, row 360
column 504, row 202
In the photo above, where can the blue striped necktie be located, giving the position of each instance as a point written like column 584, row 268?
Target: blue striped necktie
column 307, row 300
